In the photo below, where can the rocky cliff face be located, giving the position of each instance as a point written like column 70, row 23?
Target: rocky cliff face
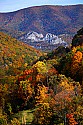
column 39, row 41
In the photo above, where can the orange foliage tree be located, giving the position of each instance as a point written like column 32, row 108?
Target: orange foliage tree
column 71, row 120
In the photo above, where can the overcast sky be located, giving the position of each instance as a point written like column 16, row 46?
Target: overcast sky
column 13, row 5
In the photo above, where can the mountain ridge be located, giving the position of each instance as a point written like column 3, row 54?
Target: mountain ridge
column 41, row 6
column 44, row 19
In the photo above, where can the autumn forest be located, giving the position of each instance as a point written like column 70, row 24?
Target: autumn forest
column 41, row 88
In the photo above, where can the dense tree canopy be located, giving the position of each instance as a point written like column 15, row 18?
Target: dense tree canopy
column 49, row 87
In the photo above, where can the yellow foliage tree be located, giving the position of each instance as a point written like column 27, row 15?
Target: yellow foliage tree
column 41, row 95
column 41, row 67
column 15, row 122
column 42, row 115
column 25, row 90
column 76, row 62
column 43, row 112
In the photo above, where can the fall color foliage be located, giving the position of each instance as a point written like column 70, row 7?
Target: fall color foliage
column 51, row 87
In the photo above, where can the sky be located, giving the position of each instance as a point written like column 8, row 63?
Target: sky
column 13, row 5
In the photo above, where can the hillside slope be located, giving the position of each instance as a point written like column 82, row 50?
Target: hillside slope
column 15, row 55
column 44, row 19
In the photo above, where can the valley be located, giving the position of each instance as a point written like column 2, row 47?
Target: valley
column 41, row 66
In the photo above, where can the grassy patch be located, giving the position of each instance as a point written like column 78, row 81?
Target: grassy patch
column 24, row 116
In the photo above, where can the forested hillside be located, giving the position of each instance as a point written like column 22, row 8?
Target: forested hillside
column 15, row 56
column 43, row 19
column 62, row 21
column 47, row 92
